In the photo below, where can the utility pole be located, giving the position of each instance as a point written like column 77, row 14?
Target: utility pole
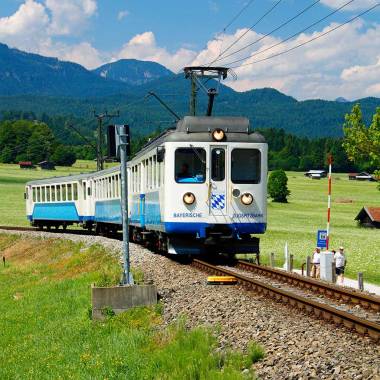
column 123, row 132
column 99, row 146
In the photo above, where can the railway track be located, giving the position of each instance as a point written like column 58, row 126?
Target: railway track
column 53, row 231
column 10, row 228
column 339, row 293
column 321, row 310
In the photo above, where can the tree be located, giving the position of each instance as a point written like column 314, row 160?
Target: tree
column 362, row 144
column 63, row 156
column 278, row 186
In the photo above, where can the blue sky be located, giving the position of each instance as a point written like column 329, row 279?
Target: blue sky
column 174, row 33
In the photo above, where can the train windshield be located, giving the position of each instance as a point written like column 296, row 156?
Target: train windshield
column 245, row 166
column 190, row 165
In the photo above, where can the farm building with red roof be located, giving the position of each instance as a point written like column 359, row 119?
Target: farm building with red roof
column 369, row 217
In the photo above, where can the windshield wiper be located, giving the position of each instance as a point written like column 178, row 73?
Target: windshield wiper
column 198, row 155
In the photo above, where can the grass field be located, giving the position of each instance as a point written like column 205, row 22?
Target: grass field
column 296, row 222
column 12, row 184
column 46, row 331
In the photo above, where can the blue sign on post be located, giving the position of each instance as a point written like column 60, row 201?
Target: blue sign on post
column 322, row 238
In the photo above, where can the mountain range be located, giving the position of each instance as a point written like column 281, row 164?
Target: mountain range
column 31, row 82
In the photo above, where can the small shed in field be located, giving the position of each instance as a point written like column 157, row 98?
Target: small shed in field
column 316, row 174
column 46, row 165
column 369, row 217
column 26, row 165
column 363, row 176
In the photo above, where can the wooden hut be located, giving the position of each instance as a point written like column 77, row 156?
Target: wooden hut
column 369, row 217
column 46, row 165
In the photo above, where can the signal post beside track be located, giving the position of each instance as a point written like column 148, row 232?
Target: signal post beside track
column 127, row 295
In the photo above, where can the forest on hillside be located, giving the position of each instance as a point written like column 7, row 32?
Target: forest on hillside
column 26, row 137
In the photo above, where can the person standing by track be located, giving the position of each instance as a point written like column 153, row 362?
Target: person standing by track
column 316, row 263
column 340, row 264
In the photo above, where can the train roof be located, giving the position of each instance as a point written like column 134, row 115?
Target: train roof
column 68, row 178
column 73, row 178
column 199, row 128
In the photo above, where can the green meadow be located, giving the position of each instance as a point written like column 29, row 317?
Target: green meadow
column 46, row 331
column 296, row 222
column 12, row 184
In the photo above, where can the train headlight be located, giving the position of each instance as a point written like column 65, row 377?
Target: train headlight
column 246, row 199
column 188, row 198
column 218, row 134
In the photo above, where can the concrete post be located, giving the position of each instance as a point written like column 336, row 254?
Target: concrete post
column 326, row 265
column 291, row 260
column 360, row 281
column 271, row 260
column 308, row 266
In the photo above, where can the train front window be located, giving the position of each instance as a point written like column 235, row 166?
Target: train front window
column 218, row 164
column 245, row 166
column 190, row 165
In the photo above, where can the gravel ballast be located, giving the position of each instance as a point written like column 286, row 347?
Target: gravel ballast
column 297, row 346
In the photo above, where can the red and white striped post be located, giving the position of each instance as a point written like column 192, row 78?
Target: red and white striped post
column 330, row 162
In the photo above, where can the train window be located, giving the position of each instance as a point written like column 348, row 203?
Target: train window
column 133, row 179
column 218, row 164
column 84, row 191
column 58, row 192
column 53, row 193
column 63, row 193
column 43, row 194
column 38, row 195
column 245, row 166
column 69, row 192
column 158, row 171
column 110, row 195
column 89, row 191
column 47, row 193
column 154, row 172
column 150, row 172
column 75, row 191
column 190, row 165
column 34, row 194
column 162, row 172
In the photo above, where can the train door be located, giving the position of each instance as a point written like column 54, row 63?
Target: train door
column 218, row 181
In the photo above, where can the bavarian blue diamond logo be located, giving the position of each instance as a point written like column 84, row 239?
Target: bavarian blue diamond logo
column 218, row 201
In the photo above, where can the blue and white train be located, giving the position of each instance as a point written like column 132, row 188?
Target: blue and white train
column 200, row 187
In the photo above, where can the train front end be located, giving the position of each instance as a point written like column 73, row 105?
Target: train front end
column 216, row 200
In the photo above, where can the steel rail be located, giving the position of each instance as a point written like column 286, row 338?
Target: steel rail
column 367, row 301
column 328, row 313
column 12, row 228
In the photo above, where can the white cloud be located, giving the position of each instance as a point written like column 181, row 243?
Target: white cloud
column 69, row 16
column 33, row 26
column 355, row 5
column 122, row 14
column 26, row 27
column 314, row 70
column 344, row 63
column 365, row 75
column 83, row 53
column 214, row 6
column 143, row 46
